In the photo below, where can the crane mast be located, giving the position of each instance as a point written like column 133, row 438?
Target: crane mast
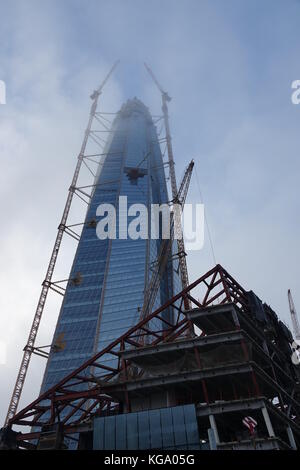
column 177, row 219
column 166, row 247
column 294, row 317
column 28, row 349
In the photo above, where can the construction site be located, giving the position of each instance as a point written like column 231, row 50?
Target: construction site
column 201, row 365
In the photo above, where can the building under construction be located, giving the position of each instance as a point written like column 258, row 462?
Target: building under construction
column 141, row 358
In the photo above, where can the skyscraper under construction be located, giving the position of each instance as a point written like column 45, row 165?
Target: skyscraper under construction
column 141, row 358
column 105, row 294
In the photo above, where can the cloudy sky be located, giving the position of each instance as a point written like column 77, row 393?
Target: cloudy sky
column 228, row 65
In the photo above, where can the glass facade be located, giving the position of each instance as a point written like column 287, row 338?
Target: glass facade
column 173, row 428
column 113, row 274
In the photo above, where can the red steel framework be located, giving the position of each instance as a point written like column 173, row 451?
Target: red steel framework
column 83, row 393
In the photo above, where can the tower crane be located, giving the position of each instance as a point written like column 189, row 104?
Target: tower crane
column 29, row 348
column 166, row 247
column 294, row 317
column 177, row 220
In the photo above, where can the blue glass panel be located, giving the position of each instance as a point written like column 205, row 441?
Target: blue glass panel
column 110, row 433
column 190, row 420
column 155, row 430
column 121, row 441
column 144, row 430
column 132, row 431
column 167, row 427
column 98, row 435
column 179, row 426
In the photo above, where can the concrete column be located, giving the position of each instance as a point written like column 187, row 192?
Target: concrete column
column 268, row 422
column 214, row 428
column 212, row 439
column 291, row 437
